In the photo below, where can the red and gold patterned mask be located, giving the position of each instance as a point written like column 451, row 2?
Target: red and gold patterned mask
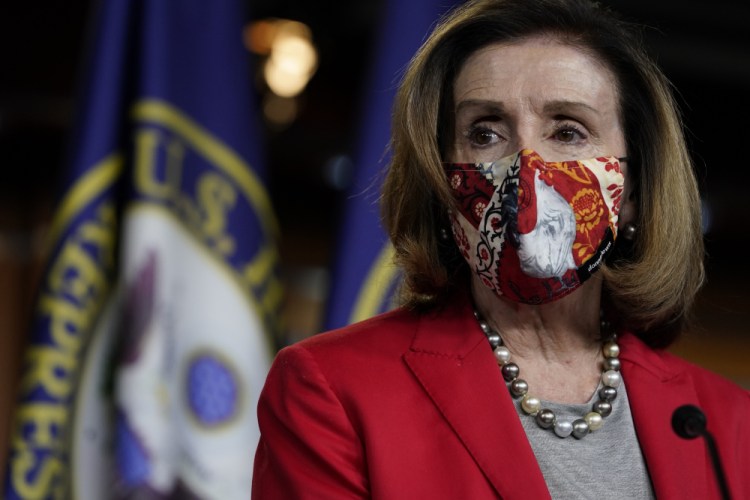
column 534, row 231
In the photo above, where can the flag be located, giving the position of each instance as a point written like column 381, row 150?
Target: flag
column 152, row 332
column 365, row 280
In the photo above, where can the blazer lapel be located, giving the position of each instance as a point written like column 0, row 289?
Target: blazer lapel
column 678, row 468
column 452, row 360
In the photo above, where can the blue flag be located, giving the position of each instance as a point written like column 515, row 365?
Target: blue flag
column 365, row 281
column 152, row 331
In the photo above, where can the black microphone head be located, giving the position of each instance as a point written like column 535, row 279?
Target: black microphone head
column 688, row 422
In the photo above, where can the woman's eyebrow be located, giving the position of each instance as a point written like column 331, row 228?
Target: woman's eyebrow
column 485, row 106
column 560, row 106
column 564, row 107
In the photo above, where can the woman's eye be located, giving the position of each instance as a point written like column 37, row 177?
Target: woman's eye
column 482, row 136
column 569, row 135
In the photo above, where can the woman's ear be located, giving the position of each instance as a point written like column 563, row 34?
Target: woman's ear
column 628, row 212
column 628, row 209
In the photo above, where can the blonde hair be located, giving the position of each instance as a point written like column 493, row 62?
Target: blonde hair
column 650, row 282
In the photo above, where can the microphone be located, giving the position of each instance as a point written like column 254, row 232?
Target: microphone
column 689, row 422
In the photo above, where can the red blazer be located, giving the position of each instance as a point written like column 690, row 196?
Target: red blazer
column 413, row 406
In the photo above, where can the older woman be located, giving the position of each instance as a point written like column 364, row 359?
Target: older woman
column 542, row 205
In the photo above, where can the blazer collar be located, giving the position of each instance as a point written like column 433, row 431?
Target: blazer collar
column 678, row 468
column 452, row 360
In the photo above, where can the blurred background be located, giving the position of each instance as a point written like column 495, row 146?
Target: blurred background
column 311, row 131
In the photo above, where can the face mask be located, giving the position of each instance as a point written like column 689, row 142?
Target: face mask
column 534, row 231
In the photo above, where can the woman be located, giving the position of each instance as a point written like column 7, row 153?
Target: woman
column 542, row 205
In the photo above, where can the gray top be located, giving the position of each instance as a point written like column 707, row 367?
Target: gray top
column 607, row 463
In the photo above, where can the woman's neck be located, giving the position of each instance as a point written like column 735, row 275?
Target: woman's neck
column 557, row 346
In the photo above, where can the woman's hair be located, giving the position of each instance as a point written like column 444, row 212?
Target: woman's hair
column 650, row 282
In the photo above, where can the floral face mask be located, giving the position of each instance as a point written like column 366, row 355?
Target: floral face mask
column 534, row 231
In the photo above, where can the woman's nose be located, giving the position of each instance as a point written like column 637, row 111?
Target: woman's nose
column 527, row 136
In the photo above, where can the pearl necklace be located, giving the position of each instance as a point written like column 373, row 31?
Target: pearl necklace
column 531, row 405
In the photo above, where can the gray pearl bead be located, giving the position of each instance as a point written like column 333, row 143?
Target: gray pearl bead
column 629, row 231
column 607, row 394
column 485, row 327
column 510, row 371
column 545, row 418
column 580, row 428
column 519, row 387
column 603, row 408
column 612, row 364
column 611, row 378
column 563, row 428
column 494, row 339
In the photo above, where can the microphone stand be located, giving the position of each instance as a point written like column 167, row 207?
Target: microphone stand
column 716, row 462
column 689, row 422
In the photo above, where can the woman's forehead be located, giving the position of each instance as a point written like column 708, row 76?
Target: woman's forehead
column 539, row 69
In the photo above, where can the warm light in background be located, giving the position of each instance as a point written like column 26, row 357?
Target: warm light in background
column 259, row 35
column 279, row 110
column 290, row 61
column 290, row 66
